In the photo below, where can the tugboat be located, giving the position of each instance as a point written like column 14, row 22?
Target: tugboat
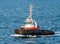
column 31, row 28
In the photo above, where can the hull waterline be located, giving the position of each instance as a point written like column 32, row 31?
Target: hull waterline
column 34, row 32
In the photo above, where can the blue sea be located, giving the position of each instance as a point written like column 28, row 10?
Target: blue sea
column 14, row 12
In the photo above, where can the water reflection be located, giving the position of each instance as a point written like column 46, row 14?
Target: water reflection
column 36, row 40
column 40, row 40
column 30, row 41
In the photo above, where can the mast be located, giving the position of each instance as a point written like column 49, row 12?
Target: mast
column 31, row 10
column 29, row 19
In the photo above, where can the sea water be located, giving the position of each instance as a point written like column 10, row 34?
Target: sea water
column 14, row 12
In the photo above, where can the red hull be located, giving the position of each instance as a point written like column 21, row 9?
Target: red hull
column 34, row 28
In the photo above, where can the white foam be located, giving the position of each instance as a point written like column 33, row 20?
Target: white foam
column 18, row 35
